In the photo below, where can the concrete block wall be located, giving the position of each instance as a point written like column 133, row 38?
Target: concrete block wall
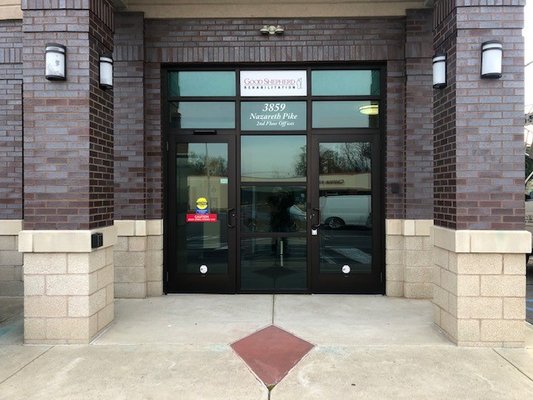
column 11, row 280
column 479, row 286
column 408, row 258
column 139, row 259
column 68, row 291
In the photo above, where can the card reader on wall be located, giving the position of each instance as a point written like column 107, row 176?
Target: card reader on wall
column 97, row 240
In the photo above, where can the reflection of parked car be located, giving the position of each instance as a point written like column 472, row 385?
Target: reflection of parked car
column 338, row 211
column 298, row 217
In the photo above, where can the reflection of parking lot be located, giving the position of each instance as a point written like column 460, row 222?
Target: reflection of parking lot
column 529, row 293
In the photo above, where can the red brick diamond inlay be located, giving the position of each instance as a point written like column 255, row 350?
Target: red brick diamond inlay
column 271, row 353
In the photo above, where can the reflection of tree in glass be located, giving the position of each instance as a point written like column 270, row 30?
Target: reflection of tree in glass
column 301, row 162
column 345, row 157
column 214, row 166
column 339, row 158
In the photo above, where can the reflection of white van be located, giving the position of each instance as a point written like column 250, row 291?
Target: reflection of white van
column 338, row 211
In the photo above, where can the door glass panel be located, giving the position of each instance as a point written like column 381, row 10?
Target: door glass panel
column 273, row 158
column 202, row 207
column 273, row 116
column 345, row 83
column 345, row 114
column 202, row 115
column 269, row 263
column 201, row 83
column 345, row 207
column 273, row 208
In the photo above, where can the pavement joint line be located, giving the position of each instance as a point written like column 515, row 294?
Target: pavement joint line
column 25, row 365
column 518, row 369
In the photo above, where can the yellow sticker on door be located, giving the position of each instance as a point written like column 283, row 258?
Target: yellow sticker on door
column 202, row 206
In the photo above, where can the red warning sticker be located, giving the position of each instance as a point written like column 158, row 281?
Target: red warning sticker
column 202, row 218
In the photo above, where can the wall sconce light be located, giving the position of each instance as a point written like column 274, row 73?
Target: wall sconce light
column 272, row 30
column 55, row 61
column 370, row 109
column 439, row 71
column 491, row 59
column 106, row 72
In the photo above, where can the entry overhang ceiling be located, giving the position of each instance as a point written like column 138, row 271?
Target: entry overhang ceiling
column 11, row 9
column 270, row 8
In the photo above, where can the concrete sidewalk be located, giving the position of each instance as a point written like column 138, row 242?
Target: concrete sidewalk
column 178, row 347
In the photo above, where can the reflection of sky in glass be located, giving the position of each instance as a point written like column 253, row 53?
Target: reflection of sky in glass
column 340, row 114
column 345, row 83
column 202, row 83
column 206, row 115
column 271, row 156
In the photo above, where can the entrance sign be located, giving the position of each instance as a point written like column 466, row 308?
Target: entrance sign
column 273, row 83
column 273, row 116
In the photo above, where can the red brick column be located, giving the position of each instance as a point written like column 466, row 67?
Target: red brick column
column 479, row 237
column 478, row 123
column 68, row 125
column 68, row 174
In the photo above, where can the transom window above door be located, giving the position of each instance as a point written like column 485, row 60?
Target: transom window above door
column 273, row 100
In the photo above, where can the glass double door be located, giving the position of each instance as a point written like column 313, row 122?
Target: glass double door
column 274, row 214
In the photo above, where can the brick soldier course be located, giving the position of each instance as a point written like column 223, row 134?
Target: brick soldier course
column 76, row 159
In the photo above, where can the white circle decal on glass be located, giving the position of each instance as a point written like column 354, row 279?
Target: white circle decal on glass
column 203, row 269
column 346, row 269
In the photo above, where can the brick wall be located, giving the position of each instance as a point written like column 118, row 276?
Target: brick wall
column 68, row 134
column 10, row 120
column 418, row 144
column 478, row 132
column 128, row 59
column 309, row 40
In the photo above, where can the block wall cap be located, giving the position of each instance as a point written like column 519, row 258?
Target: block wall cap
column 408, row 227
column 64, row 241
column 10, row 227
column 150, row 227
column 482, row 241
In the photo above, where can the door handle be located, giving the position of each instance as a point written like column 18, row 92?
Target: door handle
column 316, row 215
column 231, row 218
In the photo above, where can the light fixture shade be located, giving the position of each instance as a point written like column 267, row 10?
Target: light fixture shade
column 55, row 61
column 369, row 109
column 491, row 59
column 272, row 30
column 439, row 71
column 106, row 72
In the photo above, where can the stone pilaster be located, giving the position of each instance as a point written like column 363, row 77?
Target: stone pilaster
column 408, row 258
column 478, row 133
column 68, row 173
column 139, row 259
column 68, row 291
column 479, row 286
